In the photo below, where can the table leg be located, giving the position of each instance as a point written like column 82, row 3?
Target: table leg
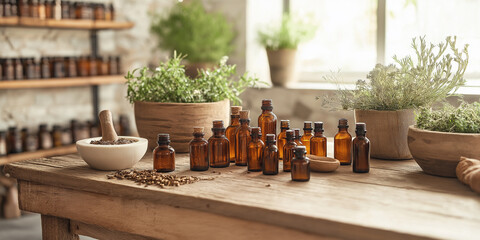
column 54, row 228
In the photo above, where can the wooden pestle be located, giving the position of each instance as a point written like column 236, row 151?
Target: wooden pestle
column 108, row 131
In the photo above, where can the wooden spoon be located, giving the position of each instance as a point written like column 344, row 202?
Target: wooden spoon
column 108, row 131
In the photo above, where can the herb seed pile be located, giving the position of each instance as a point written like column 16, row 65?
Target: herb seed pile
column 151, row 177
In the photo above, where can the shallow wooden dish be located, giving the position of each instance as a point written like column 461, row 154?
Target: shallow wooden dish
column 438, row 153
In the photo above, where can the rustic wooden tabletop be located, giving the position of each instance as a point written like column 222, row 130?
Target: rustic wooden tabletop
column 396, row 200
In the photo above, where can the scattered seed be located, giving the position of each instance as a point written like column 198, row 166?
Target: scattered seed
column 151, row 177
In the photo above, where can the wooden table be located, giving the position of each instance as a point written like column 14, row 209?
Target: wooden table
column 396, row 200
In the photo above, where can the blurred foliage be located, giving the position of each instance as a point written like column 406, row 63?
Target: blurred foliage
column 463, row 119
column 189, row 29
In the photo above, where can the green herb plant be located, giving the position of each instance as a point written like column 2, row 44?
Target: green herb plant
column 414, row 82
column 189, row 29
column 168, row 83
column 462, row 119
column 289, row 34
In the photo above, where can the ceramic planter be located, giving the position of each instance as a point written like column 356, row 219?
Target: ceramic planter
column 438, row 153
column 178, row 120
column 282, row 66
column 387, row 131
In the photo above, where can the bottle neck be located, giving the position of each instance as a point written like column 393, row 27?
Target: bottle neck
column 360, row 135
column 255, row 138
column 235, row 120
column 198, row 136
column 219, row 132
column 271, row 143
column 245, row 122
column 319, row 134
column 163, row 144
column 284, row 129
column 307, row 132
column 264, row 111
column 343, row 129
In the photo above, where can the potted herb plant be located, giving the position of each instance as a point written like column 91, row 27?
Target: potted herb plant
column 281, row 43
column 386, row 102
column 204, row 37
column 442, row 136
column 166, row 100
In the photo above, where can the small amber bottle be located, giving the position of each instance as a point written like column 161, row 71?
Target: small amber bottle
column 297, row 137
column 232, row 129
column 267, row 121
column 282, row 137
column 307, row 135
column 361, row 150
column 18, row 69
column 23, row 8
column 57, row 136
column 198, row 151
column 14, row 141
column 164, row 154
column 3, row 143
column 242, row 138
column 343, row 143
column 33, row 4
column 300, row 165
column 218, row 146
column 255, row 150
column 44, row 137
column 270, row 156
column 288, row 151
column 318, row 143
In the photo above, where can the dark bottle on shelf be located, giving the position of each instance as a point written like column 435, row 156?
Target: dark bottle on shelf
column 164, row 154
column 44, row 137
column 343, row 143
column 9, row 8
column 67, row 136
column 198, row 151
column 118, row 61
column 57, row 136
column 8, row 69
column 297, row 137
column 288, row 151
column 33, row 8
column 59, row 68
column 112, row 11
column 1, row 70
column 92, row 66
column 23, row 8
column 49, row 6
column 29, row 141
column 65, row 9
column 255, row 150
column 94, row 130
column 18, row 69
column 124, row 125
column 83, row 131
column 318, row 143
column 3, row 144
column 45, row 67
column 99, row 11
column 232, row 129
column 267, row 121
column 24, row 135
column 242, row 138
column 307, row 135
column 38, row 71
column 74, row 130
column 108, row 13
column 82, row 66
column 14, row 141
column 361, row 150
column 2, row 4
column 218, row 146
column 102, row 66
column 282, row 137
column 300, row 165
column 270, row 156
column 29, row 68
column 71, row 65
column 112, row 66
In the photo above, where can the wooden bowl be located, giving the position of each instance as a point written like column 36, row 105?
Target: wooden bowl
column 438, row 153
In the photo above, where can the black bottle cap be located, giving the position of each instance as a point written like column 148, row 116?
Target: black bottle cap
column 290, row 135
column 318, row 126
column 163, row 138
column 300, row 151
column 285, row 124
column 267, row 104
column 361, row 128
column 343, row 123
column 307, row 125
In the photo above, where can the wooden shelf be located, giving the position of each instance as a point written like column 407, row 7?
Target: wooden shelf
column 62, row 82
column 38, row 154
column 64, row 23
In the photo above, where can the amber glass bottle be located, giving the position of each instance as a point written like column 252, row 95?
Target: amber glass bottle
column 307, row 135
column 23, row 8
column 198, row 151
column 232, row 129
column 218, row 146
column 282, row 137
column 57, row 136
column 361, row 150
column 297, row 137
column 300, row 165
column 270, row 156
column 33, row 4
column 44, row 137
column 343, row 143
column 14, row 141
column 8, row 69
column 164, row 154
column 18, row 69
column 255, row 150
column 3, row 144
column 242, row 138
column 318, row 143
column 267, row 121
column 288, row 151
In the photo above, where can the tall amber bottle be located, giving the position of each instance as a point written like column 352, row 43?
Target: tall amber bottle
column 361, row 150
column 164, row 154
column 218, row 146
column 282, row 137
column 343, row 143
column 318, row 143
column 267, row 121
column 232, row 129
column 288, row 151
column 242, row 138
column 198, row 151
column 307, row 135
column 255, row 151
column 297, row 137
column 270, row 156
column 300, row 165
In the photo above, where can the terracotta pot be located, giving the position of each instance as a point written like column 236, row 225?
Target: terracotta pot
column 191, row 69
column 387, row 131
column 282, row 66
column 178, row 120
column 438, row 153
